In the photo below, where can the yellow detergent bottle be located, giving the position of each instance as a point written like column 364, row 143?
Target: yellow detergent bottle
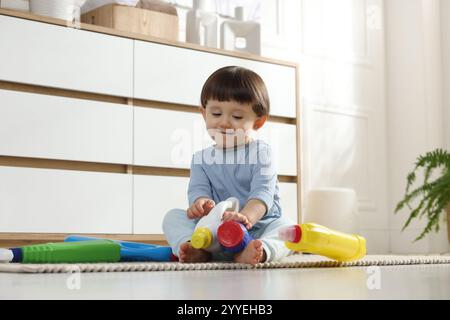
column 317, row 239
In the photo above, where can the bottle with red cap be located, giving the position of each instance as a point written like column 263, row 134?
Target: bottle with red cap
column 205, row 233
column 233, row 236
column 317, row 239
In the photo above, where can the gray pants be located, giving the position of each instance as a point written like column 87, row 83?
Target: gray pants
column 178, row 229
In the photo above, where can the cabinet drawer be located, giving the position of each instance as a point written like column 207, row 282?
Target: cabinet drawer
column 56, row 56
column 34, row 125
column 166, row 73
column 282, row 139
column 288, row 200
column 180, row 134
column 168, row 138
column 154, row 196
column 57, row 201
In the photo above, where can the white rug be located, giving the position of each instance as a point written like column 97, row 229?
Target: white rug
column 295, row 261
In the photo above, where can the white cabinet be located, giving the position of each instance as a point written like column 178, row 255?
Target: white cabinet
column 288, row 200
column 172, row 74
column 282, row 140
column 64, row 201
column 154, row 196
column 43, row 126
column 166, row 138
column 55, row 56
column 39, row 122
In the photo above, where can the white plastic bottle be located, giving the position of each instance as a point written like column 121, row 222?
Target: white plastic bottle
column 201, row 25
column 241, row 35
column 205, row 233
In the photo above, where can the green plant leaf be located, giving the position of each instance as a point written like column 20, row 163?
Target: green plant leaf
column 433, row 197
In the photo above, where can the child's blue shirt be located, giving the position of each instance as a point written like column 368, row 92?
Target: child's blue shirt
column 244, row 172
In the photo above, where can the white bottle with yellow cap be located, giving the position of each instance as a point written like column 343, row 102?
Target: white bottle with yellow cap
column 205, row 233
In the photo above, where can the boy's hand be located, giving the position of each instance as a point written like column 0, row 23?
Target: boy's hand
column 201, row 207
column 237, row 216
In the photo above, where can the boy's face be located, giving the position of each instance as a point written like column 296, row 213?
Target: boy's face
column 230, row 123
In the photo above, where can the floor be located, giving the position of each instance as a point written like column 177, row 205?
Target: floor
column 390, row 282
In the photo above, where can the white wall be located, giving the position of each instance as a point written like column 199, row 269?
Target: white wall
column 343, row 101
column 445, row 38
column 414, row 107
column 375, row 94
column 340, row 48
column 280, row 29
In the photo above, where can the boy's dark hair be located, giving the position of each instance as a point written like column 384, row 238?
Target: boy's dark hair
column 238, row 84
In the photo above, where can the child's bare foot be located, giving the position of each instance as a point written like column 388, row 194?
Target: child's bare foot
column 189, row 254
column 252, row 254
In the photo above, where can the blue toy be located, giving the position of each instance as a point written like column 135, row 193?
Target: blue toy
column 134, row 251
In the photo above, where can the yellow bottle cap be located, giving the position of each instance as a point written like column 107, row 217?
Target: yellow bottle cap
column 202, row 238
